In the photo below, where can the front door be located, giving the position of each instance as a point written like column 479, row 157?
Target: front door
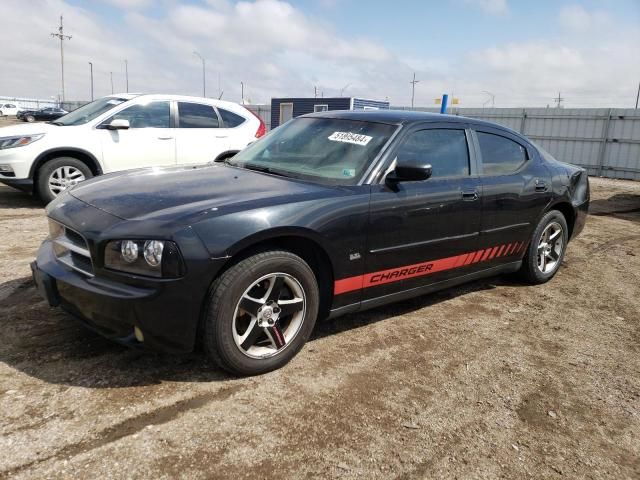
column 148, row 142
column 422, row 232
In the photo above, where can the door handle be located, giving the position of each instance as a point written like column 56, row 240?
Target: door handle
column 541, row 186
column 470, row 196
column 165, row 138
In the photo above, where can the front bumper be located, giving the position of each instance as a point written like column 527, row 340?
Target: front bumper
column 167, row 313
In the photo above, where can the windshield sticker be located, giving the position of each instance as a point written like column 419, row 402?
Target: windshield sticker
column 349, row 172
column 348, row 137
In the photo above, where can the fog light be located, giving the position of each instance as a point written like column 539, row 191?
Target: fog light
column 153, row 252
column 129, row 251
column 139, row 335
column 6, row 169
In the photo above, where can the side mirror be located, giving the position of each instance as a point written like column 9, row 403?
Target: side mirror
column 409, row 171
column 118, row 124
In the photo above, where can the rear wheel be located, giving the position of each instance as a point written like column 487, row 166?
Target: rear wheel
column 58, row 174
column 260, row 313
column 546, row 249
column 30, row 118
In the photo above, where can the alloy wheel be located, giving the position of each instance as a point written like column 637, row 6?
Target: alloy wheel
column 550, row 248
column 269, row 315
column 64, row 177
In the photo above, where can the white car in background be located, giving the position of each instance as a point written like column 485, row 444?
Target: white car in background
column 8, row 109
column 121, row 132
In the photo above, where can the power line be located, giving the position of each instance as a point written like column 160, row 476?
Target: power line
column 60, row 35
column 558, row 101
column 413, row 88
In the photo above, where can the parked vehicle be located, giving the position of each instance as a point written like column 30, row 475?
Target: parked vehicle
column 46, row 114
column 8, row 109
column 329, row 214
column 121, row 132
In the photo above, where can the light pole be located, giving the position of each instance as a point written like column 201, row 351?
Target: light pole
column 126, row 73
column 638, row 95
column 111, row 73
column 204, row 81
column 344, row 88
column 91, row 69
column 492, row 99
column 242, row 90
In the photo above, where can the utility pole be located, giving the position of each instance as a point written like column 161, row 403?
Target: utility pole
column 638, row 95
column 60, row 35
column 242, row 90
column 91, row 67
column 204, row 80
column 126, row 73
column 315, row 92
column 413, row 88
column 111, row 73
column 558, row 101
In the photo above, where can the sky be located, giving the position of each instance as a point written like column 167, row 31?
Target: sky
column 515, row 53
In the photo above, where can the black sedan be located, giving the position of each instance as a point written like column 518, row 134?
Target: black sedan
column 331, row 213
column 46, row 114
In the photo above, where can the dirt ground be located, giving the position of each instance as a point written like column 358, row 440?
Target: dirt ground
column 494, row 379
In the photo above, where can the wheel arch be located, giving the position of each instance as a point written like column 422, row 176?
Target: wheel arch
column 79, row 154
column 569, row 214
column 226, row 154
column 300, row 242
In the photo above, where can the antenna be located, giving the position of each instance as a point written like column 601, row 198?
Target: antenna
column 413, row 88
column 62, row 38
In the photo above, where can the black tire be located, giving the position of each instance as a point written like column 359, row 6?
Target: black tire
column 530, row 270
column 223, row 302
column 30, row 118
column 46, row 170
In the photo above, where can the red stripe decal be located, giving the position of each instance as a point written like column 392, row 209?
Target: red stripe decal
column 397, row 274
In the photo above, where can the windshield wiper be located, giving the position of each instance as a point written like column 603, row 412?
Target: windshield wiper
column 56, row 123
column 264, row 169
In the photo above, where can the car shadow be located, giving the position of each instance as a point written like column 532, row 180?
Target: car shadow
column 49, row 344
column 13, row 198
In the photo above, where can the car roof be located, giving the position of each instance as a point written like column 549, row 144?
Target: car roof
column 186, row 98
column 403, row 117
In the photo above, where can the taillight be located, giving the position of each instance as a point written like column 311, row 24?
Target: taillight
column 262, row 128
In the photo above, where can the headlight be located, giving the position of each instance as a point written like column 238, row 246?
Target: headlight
column 153, row 258
column 20, row 141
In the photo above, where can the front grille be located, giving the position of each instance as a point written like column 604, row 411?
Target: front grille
column 70, row 248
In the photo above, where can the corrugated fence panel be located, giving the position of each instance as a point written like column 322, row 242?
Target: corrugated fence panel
column 604, row 141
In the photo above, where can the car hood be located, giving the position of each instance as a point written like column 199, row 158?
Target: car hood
column 169, row 193
column 26, row 129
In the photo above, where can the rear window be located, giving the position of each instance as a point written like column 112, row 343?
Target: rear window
column 500, row 155
column 197, row 115
column 230, row 119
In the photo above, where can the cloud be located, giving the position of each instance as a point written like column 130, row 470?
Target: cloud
column 493, row 7
column 276, row 49
column 576, row 17
column 130, row 4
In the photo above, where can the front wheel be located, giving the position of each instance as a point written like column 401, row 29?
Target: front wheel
column 30, row 118
column 260, row 313
column 58, row 174
column 546, row 249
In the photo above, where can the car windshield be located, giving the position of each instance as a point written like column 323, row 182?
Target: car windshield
column 323, row 150
column 88, row 112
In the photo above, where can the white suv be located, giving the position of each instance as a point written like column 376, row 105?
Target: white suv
column 8, row 109
column 121, row 132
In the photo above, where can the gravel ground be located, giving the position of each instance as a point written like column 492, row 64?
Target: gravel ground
column 492, row 379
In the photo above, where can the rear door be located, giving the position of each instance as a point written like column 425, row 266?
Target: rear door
column 422, row 232
column 200, row 134
column 516, row 187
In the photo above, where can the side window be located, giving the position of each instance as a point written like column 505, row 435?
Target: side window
column 500, row 155
column 320, row 108
column 446, row 151
column 230, row 119
column 150, row 115
column 197, row 115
